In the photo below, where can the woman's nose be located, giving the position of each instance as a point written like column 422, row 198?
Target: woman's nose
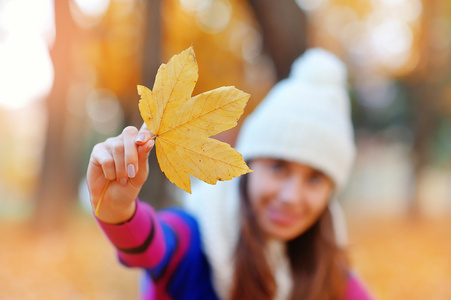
column 291, row 190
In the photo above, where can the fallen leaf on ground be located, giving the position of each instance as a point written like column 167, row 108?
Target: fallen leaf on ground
column 183, row 124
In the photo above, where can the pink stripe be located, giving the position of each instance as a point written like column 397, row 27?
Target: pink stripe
column 122, row 235
column 356, row 291
column 133, row 234
column 157, row 248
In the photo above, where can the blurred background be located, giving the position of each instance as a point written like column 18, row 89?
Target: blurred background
column 68, row 76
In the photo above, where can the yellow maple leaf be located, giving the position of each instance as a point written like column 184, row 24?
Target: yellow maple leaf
column 183, row 124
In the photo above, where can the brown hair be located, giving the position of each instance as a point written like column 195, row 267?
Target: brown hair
column 318, row 265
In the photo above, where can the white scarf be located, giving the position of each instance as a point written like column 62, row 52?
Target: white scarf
column 216, row 209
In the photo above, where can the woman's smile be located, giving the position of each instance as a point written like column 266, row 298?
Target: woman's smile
column 282, row 217
column 287, row 197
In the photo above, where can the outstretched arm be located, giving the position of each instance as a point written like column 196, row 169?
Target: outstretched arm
column 167, row 244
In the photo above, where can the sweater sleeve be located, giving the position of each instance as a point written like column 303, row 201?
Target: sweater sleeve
column 141, row 241
column 355, row 290
column 167, row 245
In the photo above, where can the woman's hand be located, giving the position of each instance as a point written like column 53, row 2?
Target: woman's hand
column 122, row 160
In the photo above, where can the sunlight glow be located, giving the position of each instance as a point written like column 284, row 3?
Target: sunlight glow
column 37, row 18
column 26, row 72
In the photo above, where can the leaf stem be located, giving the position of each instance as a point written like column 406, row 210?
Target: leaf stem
column 101, row 198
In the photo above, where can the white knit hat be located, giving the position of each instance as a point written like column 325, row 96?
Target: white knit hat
column 305, row 118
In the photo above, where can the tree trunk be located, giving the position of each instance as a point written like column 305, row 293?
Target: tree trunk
column 424, row 90
column 284, row 28
column 58, row 182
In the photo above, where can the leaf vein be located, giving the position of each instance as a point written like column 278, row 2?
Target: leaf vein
column 206, row 156
column 202, row 115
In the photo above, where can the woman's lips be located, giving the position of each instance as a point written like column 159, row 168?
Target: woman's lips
column 281, row 217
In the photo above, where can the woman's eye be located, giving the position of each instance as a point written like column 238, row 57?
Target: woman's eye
column 317, row 177
column 278, row 166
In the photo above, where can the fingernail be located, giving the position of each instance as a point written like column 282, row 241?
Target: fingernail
column 124, row 181
column 141, row 137
column 131, row 171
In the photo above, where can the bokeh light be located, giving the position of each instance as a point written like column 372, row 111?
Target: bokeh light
column 93, row 8
column 310, row 5
column 195, row 5
column 88, row 14
column 246, row 41
column 215, row 16
column 404, row 10
column 391, row 41
column 104, row 111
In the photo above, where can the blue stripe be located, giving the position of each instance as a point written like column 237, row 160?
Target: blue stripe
column 171, row 245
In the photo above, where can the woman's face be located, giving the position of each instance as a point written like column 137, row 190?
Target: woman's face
column 287, row 197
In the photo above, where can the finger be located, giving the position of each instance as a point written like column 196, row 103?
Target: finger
column 130, row 152
column 103, row 158
column 144, row 135
column 119, row 161
column 147, row 147
column 144, row 151
column 143, row 155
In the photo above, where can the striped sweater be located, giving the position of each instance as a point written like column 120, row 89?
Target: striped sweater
column 167, row 245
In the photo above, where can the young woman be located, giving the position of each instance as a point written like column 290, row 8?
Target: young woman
column 269, row 234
